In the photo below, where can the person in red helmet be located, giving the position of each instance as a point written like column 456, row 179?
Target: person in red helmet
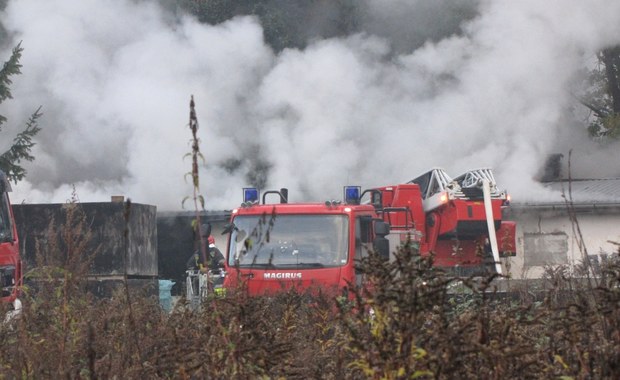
column 215, row 258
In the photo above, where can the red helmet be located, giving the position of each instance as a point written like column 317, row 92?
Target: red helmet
column 211, row 240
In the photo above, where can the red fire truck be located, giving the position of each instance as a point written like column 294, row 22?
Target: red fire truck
column 10, row 261
column 279, row 245
column 459, row 220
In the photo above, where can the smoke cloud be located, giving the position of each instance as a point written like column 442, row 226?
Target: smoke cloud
column 485, row 84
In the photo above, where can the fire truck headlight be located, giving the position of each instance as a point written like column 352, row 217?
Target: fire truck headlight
column 443, row 198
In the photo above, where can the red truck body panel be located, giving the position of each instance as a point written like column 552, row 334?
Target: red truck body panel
column 10, row 260
column 456, row 232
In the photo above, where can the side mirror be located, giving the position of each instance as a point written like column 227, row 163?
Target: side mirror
column 382, row 244
column 382, row 228
column 228, row 228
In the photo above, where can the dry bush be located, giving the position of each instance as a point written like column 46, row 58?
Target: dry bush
column 417, row 330
column 411, row 323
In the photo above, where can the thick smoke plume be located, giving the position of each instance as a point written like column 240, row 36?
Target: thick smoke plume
column 486, row 84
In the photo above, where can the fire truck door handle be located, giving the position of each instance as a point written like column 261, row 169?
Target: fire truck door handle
column 248, row 275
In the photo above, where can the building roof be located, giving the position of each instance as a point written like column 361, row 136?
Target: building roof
column 606, row 190
column 601, row 192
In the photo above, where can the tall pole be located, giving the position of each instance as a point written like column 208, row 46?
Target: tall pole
column 193, row 125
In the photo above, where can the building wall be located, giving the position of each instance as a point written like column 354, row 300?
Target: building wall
column 121, row 243
column 547, row 237
column 157, row 244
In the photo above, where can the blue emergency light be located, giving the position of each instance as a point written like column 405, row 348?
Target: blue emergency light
column 352, row 194
column 250, row 194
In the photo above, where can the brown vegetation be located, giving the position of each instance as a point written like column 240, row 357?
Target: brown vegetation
column 412, row 324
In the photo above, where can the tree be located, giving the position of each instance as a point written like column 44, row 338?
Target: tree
column 603, row 97
column 20, row 150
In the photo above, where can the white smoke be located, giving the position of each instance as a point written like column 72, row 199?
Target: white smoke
column 115, row 78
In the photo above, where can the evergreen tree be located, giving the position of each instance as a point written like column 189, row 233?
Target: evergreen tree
column 21, row 147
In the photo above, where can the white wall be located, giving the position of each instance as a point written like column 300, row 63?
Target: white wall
column 595, row 228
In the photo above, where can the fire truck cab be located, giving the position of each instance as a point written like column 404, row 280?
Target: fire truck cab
column 10, row 261
column 303, row 245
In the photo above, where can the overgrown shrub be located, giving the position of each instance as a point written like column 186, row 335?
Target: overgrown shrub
column 411, row 321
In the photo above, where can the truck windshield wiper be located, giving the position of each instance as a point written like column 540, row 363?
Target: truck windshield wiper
column 281, row 266
column 305, row 265
column 257, row 266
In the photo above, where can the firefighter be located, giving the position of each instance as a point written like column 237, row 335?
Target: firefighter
column 205, row 275
column 215, row 258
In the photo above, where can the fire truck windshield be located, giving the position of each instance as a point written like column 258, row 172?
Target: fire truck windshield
column 289, row 241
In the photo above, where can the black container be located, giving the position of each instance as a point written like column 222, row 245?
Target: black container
column 123, row 241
